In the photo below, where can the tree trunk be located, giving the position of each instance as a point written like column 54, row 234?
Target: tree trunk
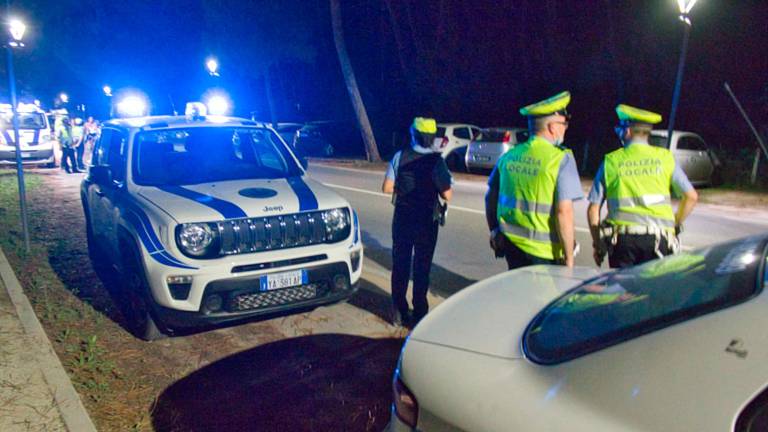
column 270, row 97
column 372, row 152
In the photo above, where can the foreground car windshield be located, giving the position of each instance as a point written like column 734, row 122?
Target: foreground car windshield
column 632, row 302
column 210, row 154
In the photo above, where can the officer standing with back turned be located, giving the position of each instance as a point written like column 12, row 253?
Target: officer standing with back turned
column 416, row 176
column 529, row 204
column 636, row 181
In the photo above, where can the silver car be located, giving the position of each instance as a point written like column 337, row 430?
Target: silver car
column 691, row 153
column 487, row 148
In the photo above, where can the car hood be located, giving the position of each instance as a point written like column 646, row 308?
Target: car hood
column 490, row 316
column 209, row 202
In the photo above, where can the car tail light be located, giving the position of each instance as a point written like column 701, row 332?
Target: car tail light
column 406, row 407
column 507, row 138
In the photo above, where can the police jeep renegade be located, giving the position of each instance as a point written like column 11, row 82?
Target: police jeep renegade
column 210, row 220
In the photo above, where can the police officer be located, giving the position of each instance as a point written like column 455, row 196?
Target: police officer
column 66, row 140
column 529, row 204
column 416, row 176
column 636, row 180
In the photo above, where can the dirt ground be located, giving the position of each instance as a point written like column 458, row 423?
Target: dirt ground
column 329, row 369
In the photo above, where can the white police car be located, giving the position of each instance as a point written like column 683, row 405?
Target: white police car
column 212, row 219
column 34, row 135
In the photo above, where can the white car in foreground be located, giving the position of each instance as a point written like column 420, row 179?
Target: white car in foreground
column 677, row 344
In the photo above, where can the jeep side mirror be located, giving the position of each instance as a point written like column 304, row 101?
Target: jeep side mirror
column 100, row 174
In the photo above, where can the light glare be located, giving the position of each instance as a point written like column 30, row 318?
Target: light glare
column 17, row 29
column 686, row 6
column 132, row 106
column 218, row 105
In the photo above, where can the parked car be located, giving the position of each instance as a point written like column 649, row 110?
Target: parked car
column 453, row 140
column 312, row 140
column 488, row 146
column 210, row 222
column 37, row 142
column 692, row 154
column 675, row 344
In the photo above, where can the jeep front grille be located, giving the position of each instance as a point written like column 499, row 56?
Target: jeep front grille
column 274, row 232
column 264, row 299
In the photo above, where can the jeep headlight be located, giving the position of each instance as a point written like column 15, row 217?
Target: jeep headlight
column 337, row 226
column 195, row 239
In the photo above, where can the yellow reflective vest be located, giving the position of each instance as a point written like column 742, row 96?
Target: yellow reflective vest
column 527, row 181
column 638, row 179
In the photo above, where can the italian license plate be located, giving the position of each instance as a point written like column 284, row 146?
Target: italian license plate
column 277, row 281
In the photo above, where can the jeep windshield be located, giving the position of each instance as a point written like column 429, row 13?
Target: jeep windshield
column 626, row 304
column 210, row 154
column 26, row 120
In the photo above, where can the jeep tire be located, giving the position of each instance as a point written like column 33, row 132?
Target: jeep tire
column 135, row 301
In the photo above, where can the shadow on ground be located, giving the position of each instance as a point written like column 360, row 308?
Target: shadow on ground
column 311, row 383
column 443, row 282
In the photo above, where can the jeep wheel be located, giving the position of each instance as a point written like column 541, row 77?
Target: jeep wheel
column 135, row 303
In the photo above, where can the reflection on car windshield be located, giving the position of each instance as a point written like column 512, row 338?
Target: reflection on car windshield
column 210, row 154
column 635, row 301
column 26, row 120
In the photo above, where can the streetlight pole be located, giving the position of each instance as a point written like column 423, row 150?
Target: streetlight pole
column 685, row 8
column 17, row 32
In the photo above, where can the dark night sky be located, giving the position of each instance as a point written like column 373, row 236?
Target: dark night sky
column 461, row 61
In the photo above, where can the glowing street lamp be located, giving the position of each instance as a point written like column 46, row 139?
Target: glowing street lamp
column 64, row 98
column 16, row 28
column 107, row 91
column 685, row 7
column 213, row 66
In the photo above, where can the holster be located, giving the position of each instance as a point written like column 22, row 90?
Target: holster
column 440, row 213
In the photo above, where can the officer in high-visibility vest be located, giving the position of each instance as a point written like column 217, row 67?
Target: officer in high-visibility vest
column 529, row 204
column 416, row 176
column 636, row 181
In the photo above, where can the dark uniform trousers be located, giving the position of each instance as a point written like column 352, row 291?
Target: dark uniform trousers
column 68, row 162
column 414, row 237
column 633, row 249
column 516, row 258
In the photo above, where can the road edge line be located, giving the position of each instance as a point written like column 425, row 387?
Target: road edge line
column 68, row 401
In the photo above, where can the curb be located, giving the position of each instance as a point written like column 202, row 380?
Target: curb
column 68, row 402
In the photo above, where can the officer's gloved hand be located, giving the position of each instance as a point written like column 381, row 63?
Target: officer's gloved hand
column 496, row 242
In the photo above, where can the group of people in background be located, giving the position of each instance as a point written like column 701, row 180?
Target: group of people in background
column 529, row 204
column 76, row 139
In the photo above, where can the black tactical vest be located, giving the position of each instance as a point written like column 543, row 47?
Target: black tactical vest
column 415, row 185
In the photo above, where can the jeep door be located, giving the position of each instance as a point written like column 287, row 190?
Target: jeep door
column 103, row 197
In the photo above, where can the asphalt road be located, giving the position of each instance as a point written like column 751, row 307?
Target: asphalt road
column 463, row 256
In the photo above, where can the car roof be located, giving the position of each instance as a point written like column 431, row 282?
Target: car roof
column 455, row 124
column 513, row 129
column 170, row 122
